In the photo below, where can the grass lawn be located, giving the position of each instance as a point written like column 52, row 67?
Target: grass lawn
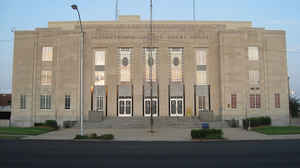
column 24, row 131
column 272, row 130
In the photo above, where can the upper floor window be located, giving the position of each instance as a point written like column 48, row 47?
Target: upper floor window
column 201, row 78
column 254, row 77
column 201, row 55
column 47, row 54
column 100, row 58
column 99, row 78
column 253, row 54
column 176, row 55
column 125, row 61
column 46, row 77
column 150, row 62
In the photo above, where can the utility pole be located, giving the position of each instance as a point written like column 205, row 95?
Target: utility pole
column 117, row 10
column 289, row 93
column 74, row 7
column 150, row 59
column 194, row 12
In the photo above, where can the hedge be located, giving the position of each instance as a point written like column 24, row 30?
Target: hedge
column 51, row 123
column 256, row 121
column 95, row 136
column 207, row 134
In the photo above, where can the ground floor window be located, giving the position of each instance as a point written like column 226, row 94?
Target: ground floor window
column 125, row 107
column 201, row 103
column 67, row 102
column 176, row 107
column 45, row 102
column 277, row 100
column 255, row 101
column 233, row 101
column 23, row 101
column 99, row 103
column 147, row 108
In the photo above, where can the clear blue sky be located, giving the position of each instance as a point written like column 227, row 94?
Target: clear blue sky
column 271, row 14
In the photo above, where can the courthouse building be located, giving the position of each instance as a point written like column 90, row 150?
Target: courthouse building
column 209, row 69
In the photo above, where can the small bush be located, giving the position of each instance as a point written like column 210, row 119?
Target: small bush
column 39, row 124
column 81, row 137
column 92, row 136
column 51, row 123
column 256, row 122
column 106, row 137
column 233, row 123
column 68, row 124
column 207, row 134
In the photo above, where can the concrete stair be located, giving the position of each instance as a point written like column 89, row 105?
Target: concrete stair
column 144, row 122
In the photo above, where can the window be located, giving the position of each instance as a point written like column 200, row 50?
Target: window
column 67, row 102
column 45, row 102
column 255, row 101
column 23, row 102
column 253, row 53
column 202, row 105
column 46, row 77
column 47, row 54
column 201, row 78
column 176, row 55
column 125, row 107
column 254, row 77
column 99, row 78
column 150, row 53
column 125, row 54
column 201, row 55
column 100, row 103
column 233, row 101
column 100, row 58
column 277, row 100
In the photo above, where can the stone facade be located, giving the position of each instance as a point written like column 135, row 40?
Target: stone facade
column 227, row 68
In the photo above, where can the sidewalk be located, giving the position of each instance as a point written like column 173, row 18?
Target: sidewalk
column 164, row 134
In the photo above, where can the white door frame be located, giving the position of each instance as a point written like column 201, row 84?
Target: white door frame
column 154, row 114
column 125, row 107
column 176, row 112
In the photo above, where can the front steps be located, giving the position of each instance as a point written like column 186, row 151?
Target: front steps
column 144, row 123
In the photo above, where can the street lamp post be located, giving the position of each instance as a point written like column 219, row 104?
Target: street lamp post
column 151, row 68
column 74, row 7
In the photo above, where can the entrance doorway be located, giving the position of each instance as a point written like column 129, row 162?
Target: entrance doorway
column 176, row 107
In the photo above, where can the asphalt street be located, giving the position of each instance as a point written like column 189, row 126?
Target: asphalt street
column 244, row 154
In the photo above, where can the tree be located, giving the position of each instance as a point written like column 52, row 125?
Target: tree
column 294, row 106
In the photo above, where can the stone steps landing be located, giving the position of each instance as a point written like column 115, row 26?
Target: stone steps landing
column 142, row 122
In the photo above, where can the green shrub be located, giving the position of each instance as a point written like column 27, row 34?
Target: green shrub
column 81, row 137
column 39, row 124
column 106, row 137
column 51, row 123
column 92, row 136
column 233, row 123
column 68, row 124
column 256, row 122
column 206, row 134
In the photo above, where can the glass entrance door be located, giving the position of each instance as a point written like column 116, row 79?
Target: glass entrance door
column 176, row 107
column 147, row 111
column 125, row 108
